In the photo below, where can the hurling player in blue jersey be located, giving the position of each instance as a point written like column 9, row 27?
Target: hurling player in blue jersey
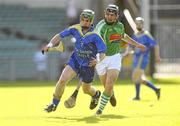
column 141, row 59
column 88, row 44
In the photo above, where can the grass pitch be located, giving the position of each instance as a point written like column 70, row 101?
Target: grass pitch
column 22, row 104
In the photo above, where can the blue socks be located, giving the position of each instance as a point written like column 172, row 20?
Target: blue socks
column 137, row 86
column 55, row 101
column 151, row 85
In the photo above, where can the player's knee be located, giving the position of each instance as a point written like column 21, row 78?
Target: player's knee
column 61, row 81
column 137, row 80
column 137, row 76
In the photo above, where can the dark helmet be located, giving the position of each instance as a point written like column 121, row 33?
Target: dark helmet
column 112, row 8
column 88, row 14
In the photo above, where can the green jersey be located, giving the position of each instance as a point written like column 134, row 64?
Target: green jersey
column 111, row 35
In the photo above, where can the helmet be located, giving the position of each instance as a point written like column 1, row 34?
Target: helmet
column 139, row 23
column 112, row 8
column 88, row 14
column 139, row 19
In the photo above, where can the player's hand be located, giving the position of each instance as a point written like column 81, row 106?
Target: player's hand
column 44, row 49
column 93, row 62
column 142, row 47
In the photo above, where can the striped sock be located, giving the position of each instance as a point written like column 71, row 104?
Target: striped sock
column 104, row 100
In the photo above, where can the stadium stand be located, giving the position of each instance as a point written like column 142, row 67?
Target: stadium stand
column 22, row 29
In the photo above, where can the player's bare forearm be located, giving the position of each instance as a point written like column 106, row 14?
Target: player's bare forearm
column 157, row 55
column 54, row 41
column 129, row 40
column 133, row 42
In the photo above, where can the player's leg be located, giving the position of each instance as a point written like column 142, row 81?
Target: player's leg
column 93, row 92
column 137, row 88
column 115, row 64
column 136, row 78
column 153, row 87
column 67, row 74
column 111, row 77
column 103, row 81
column 87, row 75
column 110, row 62
column 145, row 81
column 71, row 101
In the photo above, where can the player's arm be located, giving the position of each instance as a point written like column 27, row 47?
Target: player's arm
column 54, row 41
column 101, row 51
column 129, row 40
column 156, row 46
column 157, row 55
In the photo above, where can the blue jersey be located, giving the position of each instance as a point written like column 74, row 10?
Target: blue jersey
column 86, row 45
column 141, row 58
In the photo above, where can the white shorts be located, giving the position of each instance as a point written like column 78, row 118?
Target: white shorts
column 109, row 62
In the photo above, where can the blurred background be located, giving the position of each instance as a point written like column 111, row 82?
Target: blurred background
column 26, row 25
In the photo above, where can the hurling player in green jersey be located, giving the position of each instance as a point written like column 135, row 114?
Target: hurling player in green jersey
column 113, row 33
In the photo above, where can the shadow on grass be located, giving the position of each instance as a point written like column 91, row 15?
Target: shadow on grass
column 90, row 119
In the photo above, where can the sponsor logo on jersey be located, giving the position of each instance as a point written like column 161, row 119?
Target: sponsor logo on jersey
column 115, row 37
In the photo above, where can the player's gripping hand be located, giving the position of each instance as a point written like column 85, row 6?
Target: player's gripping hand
column 93, row 62
column 44, row 49
column 142, row 47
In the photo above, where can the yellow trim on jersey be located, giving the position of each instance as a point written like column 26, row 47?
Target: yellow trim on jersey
column 79, row 28
column 144, row 33
column 148, row 34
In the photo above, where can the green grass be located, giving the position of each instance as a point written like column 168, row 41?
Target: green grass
column 22, row 104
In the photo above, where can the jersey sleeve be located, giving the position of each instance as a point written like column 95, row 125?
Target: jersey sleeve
column 98, row 41
column 101, row 47
column 65, row 32
column 98, row 28
column 121, row 29
column 151, row 41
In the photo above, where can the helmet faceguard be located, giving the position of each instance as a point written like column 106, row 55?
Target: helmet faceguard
column 89, row 14
column 113, row 9
column 111, row 14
